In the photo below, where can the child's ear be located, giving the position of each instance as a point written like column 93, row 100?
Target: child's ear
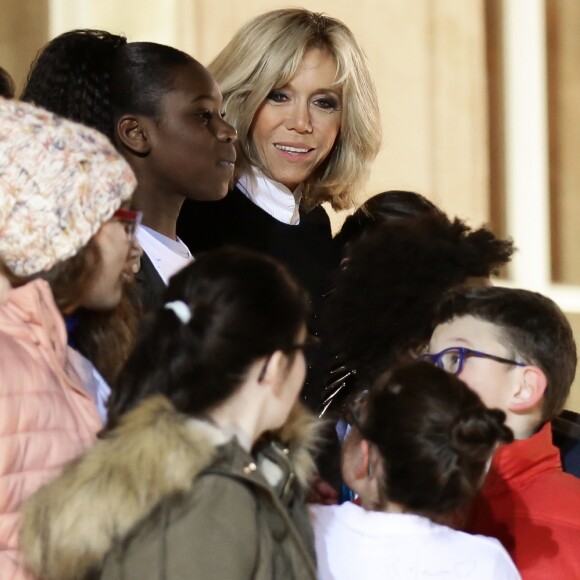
column 273, row 374
column 530, row 391
column 133, row 135
column 361, row 470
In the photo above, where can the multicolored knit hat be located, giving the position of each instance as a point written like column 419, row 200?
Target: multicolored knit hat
column 59, row 182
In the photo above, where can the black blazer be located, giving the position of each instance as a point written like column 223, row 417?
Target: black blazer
column 149, row 286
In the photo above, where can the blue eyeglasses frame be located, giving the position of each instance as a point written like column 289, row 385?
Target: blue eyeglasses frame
column 465, row 353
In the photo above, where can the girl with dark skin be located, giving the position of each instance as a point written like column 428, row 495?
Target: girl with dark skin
column 162, row 110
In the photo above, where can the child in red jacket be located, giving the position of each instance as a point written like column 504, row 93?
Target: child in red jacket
column 515, row 348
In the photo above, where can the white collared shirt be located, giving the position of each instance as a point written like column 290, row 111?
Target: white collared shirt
column 167, row 256
column 273, row 197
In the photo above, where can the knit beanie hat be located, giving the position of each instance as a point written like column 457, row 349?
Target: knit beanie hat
column 59, row 182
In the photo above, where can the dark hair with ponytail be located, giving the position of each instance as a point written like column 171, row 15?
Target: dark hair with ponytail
column 141, row 73
column 435, row 437
column 71, row 77
column 93, row 77
column 243, row 306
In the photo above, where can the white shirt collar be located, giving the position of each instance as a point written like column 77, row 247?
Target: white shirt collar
column 273, row 197
column 167, row 256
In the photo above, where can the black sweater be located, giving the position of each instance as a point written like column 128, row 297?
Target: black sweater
column 306, row 248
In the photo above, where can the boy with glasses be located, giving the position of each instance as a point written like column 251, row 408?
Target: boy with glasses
column 515, row 348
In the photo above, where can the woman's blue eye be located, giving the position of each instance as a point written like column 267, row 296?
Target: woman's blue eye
column 327, row 103
column 277, row 97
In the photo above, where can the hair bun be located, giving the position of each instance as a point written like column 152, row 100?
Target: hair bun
column 476, row 432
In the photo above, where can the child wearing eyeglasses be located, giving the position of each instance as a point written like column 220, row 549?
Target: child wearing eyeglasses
column 62, row 250
column 418, row 451
column 516, row 350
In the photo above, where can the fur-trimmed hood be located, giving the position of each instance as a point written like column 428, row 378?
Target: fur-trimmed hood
column 70, row 524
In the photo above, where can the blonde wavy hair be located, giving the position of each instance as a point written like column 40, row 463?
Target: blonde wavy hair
column 265, row 54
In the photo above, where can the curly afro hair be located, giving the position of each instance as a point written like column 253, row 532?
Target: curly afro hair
column 382, row 308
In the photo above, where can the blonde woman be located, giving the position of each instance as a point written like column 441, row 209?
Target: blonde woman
column 297, row 88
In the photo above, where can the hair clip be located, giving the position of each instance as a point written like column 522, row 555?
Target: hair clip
column 180, row 309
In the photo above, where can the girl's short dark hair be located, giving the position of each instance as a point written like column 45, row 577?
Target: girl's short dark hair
column 243, row 305
column 435, row 437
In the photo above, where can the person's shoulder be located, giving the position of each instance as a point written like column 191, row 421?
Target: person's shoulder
column 480, row 550
column 549, row 493
column 493, row 555
column 227, row 487
column 215, row 499
column 562, row 481
column 319, row 512
column 16, row 358
column 317, row 215
column 480, row 542
column 556, row 499
column 225, row 481
column 326, row 516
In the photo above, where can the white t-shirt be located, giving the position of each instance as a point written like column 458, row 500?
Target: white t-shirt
column 168, row 256
column 273, row 197
column 355, row 544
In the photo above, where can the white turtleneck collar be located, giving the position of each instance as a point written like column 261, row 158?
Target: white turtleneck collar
column 273, row 197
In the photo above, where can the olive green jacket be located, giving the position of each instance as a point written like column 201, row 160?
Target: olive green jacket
column 168, row 497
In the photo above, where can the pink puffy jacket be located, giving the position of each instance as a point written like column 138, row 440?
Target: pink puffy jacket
column 46, row 418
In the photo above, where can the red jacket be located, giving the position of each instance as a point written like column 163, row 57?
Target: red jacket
column 533, row 508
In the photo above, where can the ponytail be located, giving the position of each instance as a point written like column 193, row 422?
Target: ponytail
column 222, row 312
column 71, row 76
